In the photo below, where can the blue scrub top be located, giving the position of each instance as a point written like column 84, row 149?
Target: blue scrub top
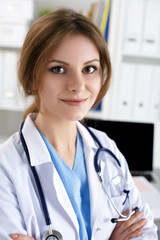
column 76, row 184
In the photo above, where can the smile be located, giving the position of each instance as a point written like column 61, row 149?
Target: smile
column 74, row 102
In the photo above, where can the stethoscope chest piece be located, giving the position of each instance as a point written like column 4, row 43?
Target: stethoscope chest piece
column 55, row 235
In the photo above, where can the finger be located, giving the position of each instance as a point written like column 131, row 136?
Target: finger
column 133, row 231
column 135, row 217
column 138, row 229
column 135, row 228
column 136, row 234
column 17, row 236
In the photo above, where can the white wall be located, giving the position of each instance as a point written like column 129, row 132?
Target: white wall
column 9, row 123
column 9, row 120
column 80, row 5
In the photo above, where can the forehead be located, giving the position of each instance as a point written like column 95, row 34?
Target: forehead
column 75, row 47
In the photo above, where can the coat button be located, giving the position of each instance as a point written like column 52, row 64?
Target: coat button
column 98, row 229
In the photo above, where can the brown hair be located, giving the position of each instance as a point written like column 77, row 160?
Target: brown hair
column 43, row 37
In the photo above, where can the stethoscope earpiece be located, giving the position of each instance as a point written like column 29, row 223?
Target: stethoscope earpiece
column 136, row 209
column 55, row 235
column 114, row 220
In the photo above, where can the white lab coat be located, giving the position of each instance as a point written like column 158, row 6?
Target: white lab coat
column 20, row 207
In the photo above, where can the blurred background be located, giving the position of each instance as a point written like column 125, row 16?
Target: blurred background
column 131, row 29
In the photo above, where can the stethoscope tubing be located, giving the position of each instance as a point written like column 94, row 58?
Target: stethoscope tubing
column 39, row 187
column 101, row 148
column 98, row 170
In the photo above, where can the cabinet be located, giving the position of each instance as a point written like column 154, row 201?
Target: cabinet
column 134, row 45
column 135, row 88
column 15, row 18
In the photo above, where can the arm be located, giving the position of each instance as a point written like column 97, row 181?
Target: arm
column 123, row 230
column 11, row 218
column 17, row 236
column 149, row 228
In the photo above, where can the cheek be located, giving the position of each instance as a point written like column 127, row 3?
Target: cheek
column 96, row 86
column 46, row 93
column 49, row 87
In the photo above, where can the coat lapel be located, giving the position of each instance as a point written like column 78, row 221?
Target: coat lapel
column 90, row 148
column 64, row 199
column 39, row 156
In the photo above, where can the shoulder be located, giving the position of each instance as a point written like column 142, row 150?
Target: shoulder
column 10, row 151
column 10, row 143
column 104, row 139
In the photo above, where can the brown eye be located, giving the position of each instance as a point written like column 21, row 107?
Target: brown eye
column 89, row 69
column 57, row 70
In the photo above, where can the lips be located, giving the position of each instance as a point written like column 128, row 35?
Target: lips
column 74, row 102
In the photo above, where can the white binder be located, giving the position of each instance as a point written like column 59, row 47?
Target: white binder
column 134, row 24
column 154, row 110
column 151, row 27
column 9, row 91
column 126, row 90
column 16, row 11
column 1, row 75
column 142, row 91
column 12, row 35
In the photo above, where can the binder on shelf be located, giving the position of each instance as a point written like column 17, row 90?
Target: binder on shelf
column 154, row 108
column 142, row 91
column 12, row 35
column 9, row 89
column 105, row 17
column 106, row 33
column 1, row 74
column 125, row 91
column 98, row 12
column 16, row 11
column 98, row 107
column 91, row 12
column 134, row 24
column 151, row 27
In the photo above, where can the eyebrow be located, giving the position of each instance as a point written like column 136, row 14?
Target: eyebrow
column 65, row 63
column 93, row 60
column 58, row 61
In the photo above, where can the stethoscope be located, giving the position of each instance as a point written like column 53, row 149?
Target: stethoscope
column 55, row 235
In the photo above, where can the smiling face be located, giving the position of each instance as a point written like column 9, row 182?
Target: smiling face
column 71, row 80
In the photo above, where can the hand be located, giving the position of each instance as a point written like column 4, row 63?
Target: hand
column 129, row 229
column 17, row 236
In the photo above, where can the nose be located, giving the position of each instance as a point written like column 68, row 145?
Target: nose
column 76, row 82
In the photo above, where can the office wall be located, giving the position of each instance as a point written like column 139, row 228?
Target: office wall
column 82, row 5
column 114, row 106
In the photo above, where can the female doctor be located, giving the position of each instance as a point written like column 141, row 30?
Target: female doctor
column 65, row 66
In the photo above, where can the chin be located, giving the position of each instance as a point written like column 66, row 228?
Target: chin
column 76, row 117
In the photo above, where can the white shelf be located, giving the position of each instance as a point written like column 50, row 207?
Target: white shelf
column 140, row 56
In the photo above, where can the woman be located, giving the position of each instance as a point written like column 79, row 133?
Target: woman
column 65, row 66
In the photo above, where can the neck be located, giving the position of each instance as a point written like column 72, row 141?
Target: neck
column 62, row 134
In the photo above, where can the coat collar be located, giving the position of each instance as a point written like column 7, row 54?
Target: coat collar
column 37, row 149
column 39, row 154
column 86, row 136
